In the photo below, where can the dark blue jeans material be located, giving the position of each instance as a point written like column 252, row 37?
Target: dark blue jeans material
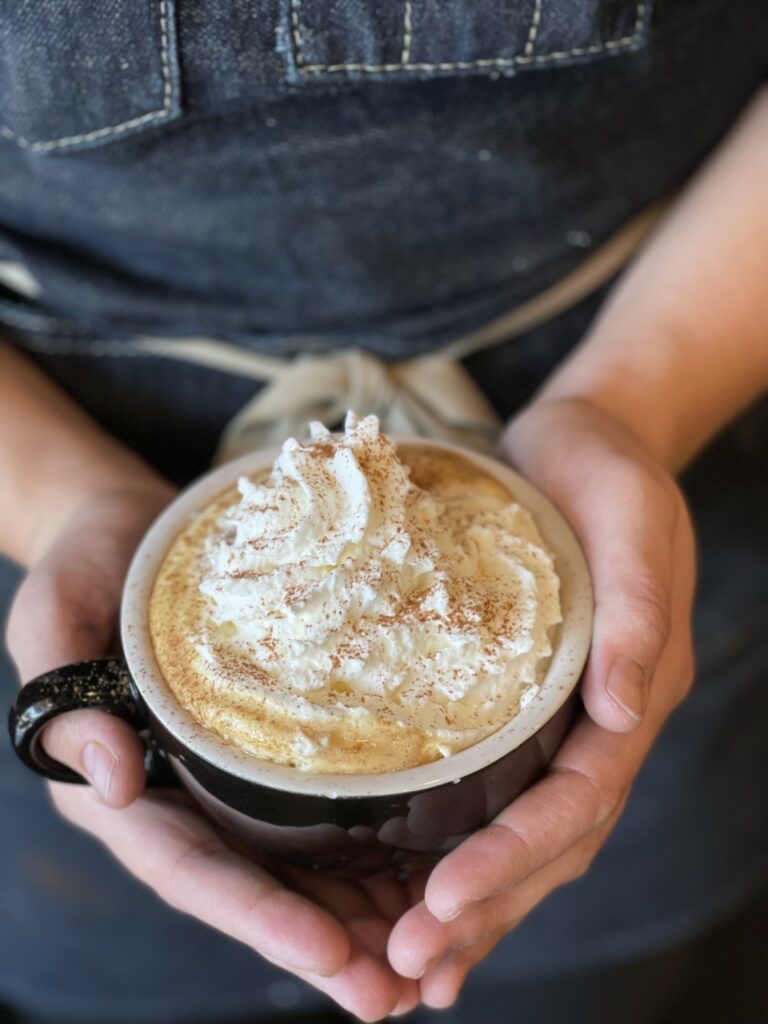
column 299, row 175
column 238, row 170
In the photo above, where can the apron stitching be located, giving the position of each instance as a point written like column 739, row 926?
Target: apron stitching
column 407, row 33
column 534, row 29
column 296, row 32
column 611, row 46
column 124, row 126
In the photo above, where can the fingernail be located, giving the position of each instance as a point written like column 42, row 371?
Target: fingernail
column 99, row 764
column 626, row 685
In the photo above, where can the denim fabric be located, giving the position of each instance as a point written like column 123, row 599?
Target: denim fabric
column 295, row 210
column 319, row 173
column 355, row 39
column 112, row 75
column 692, row 845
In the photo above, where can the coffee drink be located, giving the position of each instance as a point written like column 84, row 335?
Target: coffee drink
column 360, row 608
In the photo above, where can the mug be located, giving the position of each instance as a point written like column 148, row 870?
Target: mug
column 345, row 824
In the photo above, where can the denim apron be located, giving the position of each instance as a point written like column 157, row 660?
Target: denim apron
column 298, row 176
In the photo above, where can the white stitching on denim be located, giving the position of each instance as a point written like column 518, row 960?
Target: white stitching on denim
column 407, row 33
column 296, row 31
column 612, row 45
column 533, row 30
column 117, row 129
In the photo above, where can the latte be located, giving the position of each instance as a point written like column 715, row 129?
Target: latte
column 357, row 609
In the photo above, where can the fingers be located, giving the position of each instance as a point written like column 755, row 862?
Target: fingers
column 350, row 903
column 52, row 623
column 181, row 857
column 407, row 1002
column 105, row 749
column 368, row 988
column 577, row 801
column 419, row 942
column 534, row 830
column 588, row 782
column 441, row 985
column 66, row 611
column 66, row 608
column 391, row 896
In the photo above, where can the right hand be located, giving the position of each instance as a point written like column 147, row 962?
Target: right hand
column 330, row 933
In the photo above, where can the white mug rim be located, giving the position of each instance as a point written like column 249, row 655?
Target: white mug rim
column 570, row 645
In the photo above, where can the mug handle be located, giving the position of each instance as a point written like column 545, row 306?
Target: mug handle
column 105, row 684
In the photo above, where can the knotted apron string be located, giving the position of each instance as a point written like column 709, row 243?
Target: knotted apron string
column 429, row 396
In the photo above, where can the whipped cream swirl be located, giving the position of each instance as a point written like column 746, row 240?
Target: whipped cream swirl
column 354, row 621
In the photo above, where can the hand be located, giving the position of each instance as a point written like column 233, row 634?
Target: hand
column 333, row 934
column 636, row 533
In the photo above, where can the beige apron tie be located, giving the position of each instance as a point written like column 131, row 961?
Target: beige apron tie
column 430, row 396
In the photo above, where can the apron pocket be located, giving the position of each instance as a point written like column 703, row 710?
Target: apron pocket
column 75, row 74
column 356, row 39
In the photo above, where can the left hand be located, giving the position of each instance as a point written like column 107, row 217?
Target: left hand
column 329, row 932
column 634, row 526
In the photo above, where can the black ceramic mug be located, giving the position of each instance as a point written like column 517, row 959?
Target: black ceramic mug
column 351, row 824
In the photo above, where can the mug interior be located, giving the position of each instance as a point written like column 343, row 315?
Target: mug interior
column 570, row 644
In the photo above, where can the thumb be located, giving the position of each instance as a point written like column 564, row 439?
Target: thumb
column 104, row 749
column 631, row 520
column 630, row 545
column 632, row 622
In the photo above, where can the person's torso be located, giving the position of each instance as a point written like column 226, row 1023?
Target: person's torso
column 297, row 174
